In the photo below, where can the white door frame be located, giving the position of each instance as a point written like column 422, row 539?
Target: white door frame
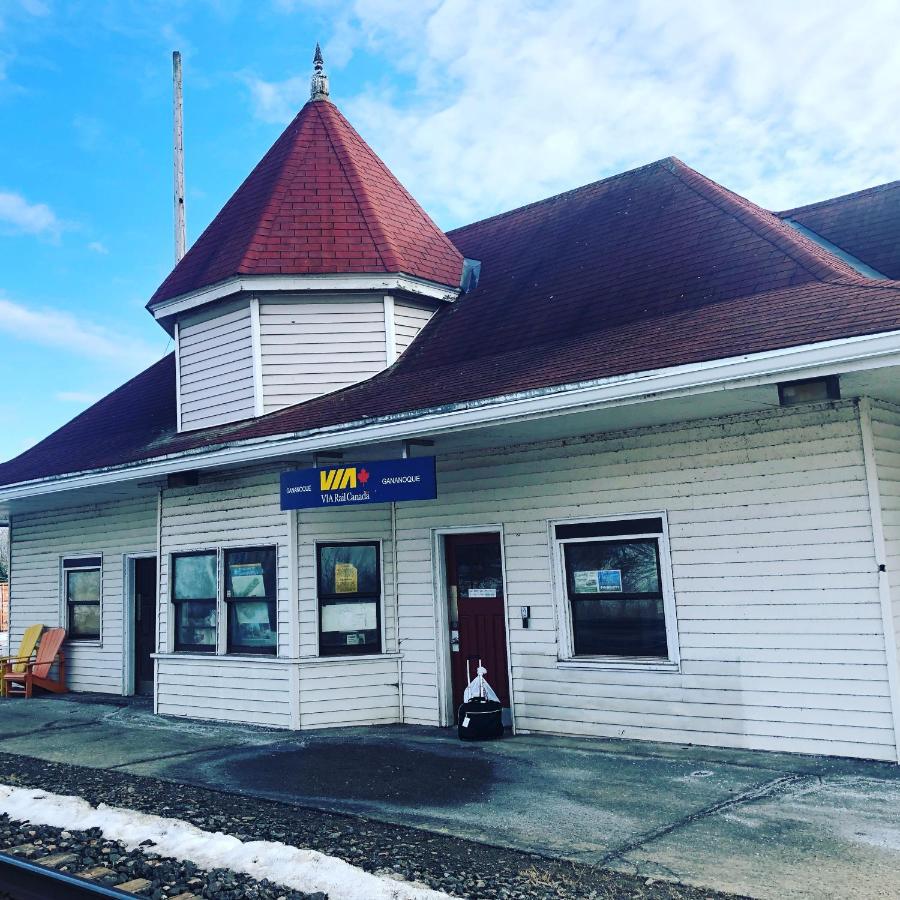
column 130, row 618
column 442, row 620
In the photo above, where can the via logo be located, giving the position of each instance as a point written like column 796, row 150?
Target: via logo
column 341, row 479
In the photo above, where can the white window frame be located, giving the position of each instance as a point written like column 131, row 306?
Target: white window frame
column 382, row 603
column 221, row 650
column 566, row 657
column 64, row 595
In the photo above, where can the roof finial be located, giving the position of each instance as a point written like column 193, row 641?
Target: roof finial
column 318, row 86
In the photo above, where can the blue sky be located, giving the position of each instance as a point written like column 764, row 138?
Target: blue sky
column 477, row 106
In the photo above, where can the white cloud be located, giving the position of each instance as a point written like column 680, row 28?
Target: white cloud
column 277, row 101
column 18, row 216
column 509, row 101
column 75, row 335
column 98, row 247
column 83, row 397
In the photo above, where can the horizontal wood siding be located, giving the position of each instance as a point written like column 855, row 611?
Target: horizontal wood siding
column 250, row 691
column 345, row 691
column 349, row 692
column 313, row 347
column 215, row 353
column 778, row 610
column 409, row 320
column 886, row 438
column 225, row 510
column 40, row 540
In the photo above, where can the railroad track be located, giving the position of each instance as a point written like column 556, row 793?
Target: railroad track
column 39, row 879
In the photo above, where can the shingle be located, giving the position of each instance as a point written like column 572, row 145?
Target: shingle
column 653, row 268
column 865, row 224
column 318, row 172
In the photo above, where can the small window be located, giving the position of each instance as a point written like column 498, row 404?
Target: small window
column 83, row 590
column 251, row 594
column 194, row 596
column 349, row 588
column 615, row 588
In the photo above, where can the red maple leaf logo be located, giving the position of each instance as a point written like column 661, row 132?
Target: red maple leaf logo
column 363, row 476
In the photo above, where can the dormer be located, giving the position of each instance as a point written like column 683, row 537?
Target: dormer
column 316, row 274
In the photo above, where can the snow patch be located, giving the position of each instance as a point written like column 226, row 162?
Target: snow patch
column 303, row 870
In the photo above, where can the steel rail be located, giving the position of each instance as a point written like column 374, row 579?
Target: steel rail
column 31, row 881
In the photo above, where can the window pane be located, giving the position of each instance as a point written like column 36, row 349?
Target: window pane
column 250, row 573
column 619, row 627
column 196, row 625
column 84, row 620
column 613, row 567
column 479, row 569
column 616, row 597
column 195, row 577
column 352, row 569
column 350, row 627
column 252, row 626
column 83, row 587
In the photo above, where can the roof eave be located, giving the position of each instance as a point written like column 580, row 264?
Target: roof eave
column 165, row 311
column 808, row 360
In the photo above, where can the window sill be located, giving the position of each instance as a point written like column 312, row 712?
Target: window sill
column 349, row 658
column 221, row 657
column 84, row 642
column 623, row 664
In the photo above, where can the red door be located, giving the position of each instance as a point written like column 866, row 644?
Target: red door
column 476, row 612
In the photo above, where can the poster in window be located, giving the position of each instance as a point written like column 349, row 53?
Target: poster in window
column 247, row 580
column 586, row 582
column 346, row 579
column 610, row 581
column 349, row 617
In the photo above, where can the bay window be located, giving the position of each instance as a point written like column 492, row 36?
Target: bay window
column 195, row 596
column 250, row 596
column 349, row 596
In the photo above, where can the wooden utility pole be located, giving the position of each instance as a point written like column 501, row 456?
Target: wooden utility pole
column 179, row 158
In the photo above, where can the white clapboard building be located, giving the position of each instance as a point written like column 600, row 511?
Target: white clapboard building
column 635, row 447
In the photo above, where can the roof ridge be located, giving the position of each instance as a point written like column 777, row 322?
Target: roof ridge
column 765, row 224
column 841, row 198
column 563, row 194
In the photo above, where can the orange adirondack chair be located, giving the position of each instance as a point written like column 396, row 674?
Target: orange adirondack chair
column 37, row 671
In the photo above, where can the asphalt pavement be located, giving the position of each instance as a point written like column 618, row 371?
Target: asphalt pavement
column 761, row 824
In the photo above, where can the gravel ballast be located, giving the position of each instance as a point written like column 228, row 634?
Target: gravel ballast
column 459, row 867
column 168, row 877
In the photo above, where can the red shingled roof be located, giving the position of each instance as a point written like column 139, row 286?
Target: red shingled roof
column 653, row 268
column 319, row 202
column 865, row 224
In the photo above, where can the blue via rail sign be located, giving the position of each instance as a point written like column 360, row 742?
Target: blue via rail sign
column 352, row 485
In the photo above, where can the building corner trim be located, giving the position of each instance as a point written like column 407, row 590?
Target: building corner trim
column 259, row 404
column 864, row 409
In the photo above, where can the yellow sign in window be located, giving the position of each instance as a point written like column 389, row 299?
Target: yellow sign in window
column 346, row 578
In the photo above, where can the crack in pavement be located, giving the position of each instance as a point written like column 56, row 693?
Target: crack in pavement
column 51, row 726
column 757, row 792
column 149, row 759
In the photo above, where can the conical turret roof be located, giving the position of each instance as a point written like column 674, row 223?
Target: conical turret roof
column 319, row 202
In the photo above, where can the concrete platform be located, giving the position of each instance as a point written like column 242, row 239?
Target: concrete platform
column 765, row 825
